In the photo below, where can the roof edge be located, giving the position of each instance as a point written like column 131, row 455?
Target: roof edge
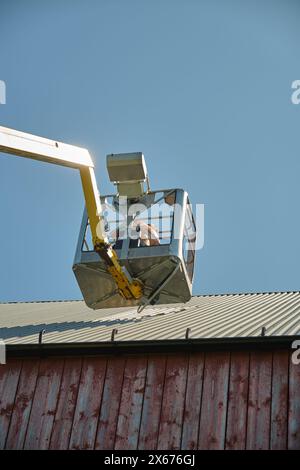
column 262, row 343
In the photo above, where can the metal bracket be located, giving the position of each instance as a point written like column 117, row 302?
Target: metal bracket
column 147, row 301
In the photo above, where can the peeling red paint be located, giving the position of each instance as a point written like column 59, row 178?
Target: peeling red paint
column 211, row 400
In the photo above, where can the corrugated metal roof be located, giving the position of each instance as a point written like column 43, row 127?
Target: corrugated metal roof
column 217, row 316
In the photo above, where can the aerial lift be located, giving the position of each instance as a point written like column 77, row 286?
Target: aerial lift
column 118, row 270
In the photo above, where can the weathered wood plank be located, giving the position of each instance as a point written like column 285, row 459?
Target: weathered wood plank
column 214, row 401
column 279, row 409
column 237, row 401
column 152, row 402
column 87, row 410
column 131, row 403
column 44, row 404
column 9, row 378
column 173, row 403
column 108, row 420
column 191, row 418
column 259, row 401
column 23, row 404
column 157, row 405
column 64, row 415
column 294, row 407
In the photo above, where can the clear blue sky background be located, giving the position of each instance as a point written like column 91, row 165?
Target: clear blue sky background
column 203, row 88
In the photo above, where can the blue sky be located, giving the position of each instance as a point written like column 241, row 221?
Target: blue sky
column 202, row 88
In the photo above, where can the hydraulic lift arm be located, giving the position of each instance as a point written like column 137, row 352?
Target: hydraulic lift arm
column 50, row 151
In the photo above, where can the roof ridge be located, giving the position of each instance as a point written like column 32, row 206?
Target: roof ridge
column 248, row 293
column 161, row 305
column 40, row 301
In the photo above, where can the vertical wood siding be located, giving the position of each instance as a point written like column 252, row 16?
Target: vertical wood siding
column 212, row 400
column 237, row 406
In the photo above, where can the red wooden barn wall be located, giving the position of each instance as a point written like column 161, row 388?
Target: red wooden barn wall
column 212, row 400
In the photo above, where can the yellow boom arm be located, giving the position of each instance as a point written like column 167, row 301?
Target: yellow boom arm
column 50, row 151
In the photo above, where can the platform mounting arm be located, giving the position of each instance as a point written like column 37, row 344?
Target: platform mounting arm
column 50, row 151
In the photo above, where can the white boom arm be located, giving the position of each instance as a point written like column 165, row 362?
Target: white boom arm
column 46, row 150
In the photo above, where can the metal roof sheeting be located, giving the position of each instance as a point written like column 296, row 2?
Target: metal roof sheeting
column 217, row 316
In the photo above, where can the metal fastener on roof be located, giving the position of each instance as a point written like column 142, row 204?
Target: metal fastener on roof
column 113, row 333
column 263, row 331
column 41, row 336
column 187, row 333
